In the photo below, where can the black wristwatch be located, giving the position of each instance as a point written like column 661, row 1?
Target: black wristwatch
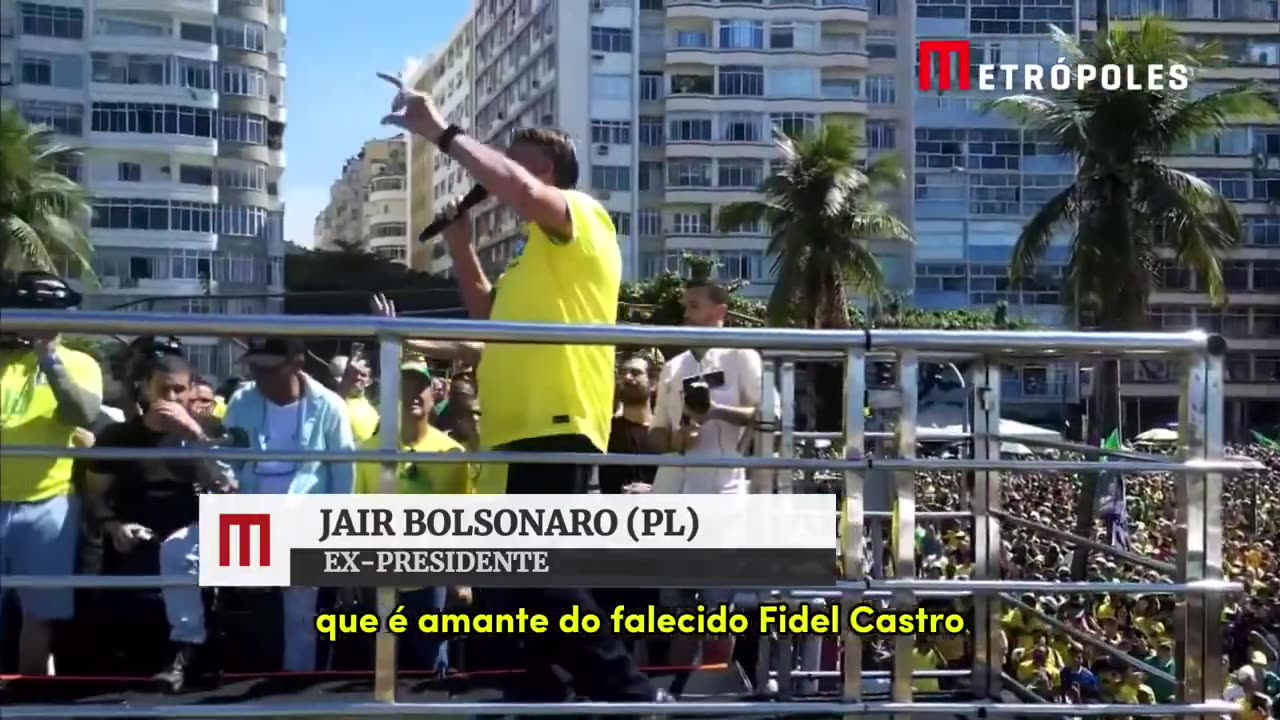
column 447, row 137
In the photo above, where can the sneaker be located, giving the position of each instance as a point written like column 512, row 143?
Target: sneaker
column 174, row 679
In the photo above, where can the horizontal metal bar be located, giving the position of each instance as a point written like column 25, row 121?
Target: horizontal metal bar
column 1044, row 586
column 732, row 709
column 924, row 514
column 839, row 356
column 1092, row 641
column 991, row 342
column 867, row 588
column 1074, row 539
column 698, row 461
column 1127, row 456
column 876, row 673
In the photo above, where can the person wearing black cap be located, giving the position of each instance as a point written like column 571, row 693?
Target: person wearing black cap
column 46, row 392
column 285, row 409
column 567, row 272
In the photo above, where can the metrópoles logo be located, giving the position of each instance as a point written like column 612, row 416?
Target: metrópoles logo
column 1035, row 78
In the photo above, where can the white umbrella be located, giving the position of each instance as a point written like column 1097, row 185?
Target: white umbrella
column 1158, row 435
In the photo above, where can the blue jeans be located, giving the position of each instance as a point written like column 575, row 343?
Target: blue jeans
column 180, row 555
column 39, row 538
column 419, row 651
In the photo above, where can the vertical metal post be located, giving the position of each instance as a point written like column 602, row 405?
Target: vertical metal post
column 904, row 514
column 988, row 652
column 384, row 664
column 853, row 536
column 765, row 481
column 786, row 485
column 1199, row 531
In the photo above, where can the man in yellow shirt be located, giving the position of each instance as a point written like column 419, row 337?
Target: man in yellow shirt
column 352, row 376
column 552, row 397
column 46, row 392
column 419, row 652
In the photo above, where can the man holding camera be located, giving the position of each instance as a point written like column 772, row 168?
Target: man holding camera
column 568, row 273
column 46, row 392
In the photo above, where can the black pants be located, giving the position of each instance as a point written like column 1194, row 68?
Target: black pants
column 599, row 666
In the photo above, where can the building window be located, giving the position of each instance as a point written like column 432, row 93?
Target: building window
column 650, row 130
column 691, row 223
column 689, row 129
column 149, row 119
column 650, row 175
column 691, row 39
column 742, row 81
column 52, row 21
column 607, row 39
column 650, row 86
column 242, row 34
column 793, row 82
column 241, row 220
column 741, row 126
column 386, row 230
column 611, row 87
column 610, row 132
column 194, row 74
column 194, row 32
column 689, row 172
column 881, row 90
column 252, row 177
column 190, row 264
column 243, row 128
column 53, row 70
column 391, row 252
column 649, row 221
column 742, row 34
column 241, row 80
column 740, row 173
column 611, row 177
column 129, row 172
column 795, row 124
column 122, row 69
column 62, row 118
column 621, row 222
column 881, row 135
column 139, row 214
column 195, row 175
column 693, row 85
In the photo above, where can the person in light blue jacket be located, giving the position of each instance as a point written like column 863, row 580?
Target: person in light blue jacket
column 282, row 409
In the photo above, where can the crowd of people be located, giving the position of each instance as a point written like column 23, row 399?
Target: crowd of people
column 138, row 516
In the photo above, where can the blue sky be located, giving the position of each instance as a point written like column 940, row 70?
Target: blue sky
column 333, row 97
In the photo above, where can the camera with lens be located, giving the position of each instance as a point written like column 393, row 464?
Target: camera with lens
column 697, row 390
column 39, row 291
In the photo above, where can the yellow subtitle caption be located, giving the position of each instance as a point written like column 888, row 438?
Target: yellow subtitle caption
column 765, row 619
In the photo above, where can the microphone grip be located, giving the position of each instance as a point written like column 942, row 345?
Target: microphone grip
column 444, row 218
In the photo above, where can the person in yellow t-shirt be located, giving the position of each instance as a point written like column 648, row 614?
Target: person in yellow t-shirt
column 47, row 391
column 418, row 651
column 550, row 397
column 352, row 377
column 925, row 656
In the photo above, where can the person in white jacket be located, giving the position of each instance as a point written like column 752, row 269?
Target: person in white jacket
column 718, row 424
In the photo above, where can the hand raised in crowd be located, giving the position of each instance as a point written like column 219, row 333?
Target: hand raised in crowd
column 637, row 488
column 382, row 306
column 414, row 111
column 126, row 536
column 173, row 419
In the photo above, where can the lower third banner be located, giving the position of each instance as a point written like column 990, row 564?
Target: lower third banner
column 563, row 567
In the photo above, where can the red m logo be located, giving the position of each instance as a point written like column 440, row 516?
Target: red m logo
column 244, row 522
column 943, row 49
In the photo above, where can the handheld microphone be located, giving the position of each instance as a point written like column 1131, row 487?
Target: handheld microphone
column 445, row 217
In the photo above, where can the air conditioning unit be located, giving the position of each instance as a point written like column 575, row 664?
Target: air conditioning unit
column 597, row 56
column 602, row 149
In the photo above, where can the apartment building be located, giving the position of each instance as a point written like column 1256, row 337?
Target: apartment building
column 368, row 205
column 1244, row 165
column 180, row 107
column 436, row 178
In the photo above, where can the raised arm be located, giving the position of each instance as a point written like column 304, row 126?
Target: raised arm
column 451, row 350
column 532, row 199
column 76, row 388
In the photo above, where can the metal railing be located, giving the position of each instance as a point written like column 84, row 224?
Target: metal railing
column 1197, row 571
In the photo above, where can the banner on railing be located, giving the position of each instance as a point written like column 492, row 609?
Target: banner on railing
column 675, row 541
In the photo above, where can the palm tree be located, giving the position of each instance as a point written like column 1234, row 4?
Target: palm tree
column 1126, row 202
column 822, row 211
column 43, row 213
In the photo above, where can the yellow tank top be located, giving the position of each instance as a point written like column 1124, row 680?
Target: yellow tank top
column 530, row 391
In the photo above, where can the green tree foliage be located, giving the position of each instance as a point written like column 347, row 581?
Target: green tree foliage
column 43, row 213
column 823, row 210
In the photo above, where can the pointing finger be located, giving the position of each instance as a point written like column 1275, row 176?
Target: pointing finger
column 394, row 80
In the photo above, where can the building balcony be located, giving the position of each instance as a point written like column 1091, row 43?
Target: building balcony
column 154, row 142
column 144, row 45
column 167, row 190
column 157, row 286
column 800, row 10
column 159, row 94
column 186, row 7
column 174, row 239
column 729, row 103
column 836, row 57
